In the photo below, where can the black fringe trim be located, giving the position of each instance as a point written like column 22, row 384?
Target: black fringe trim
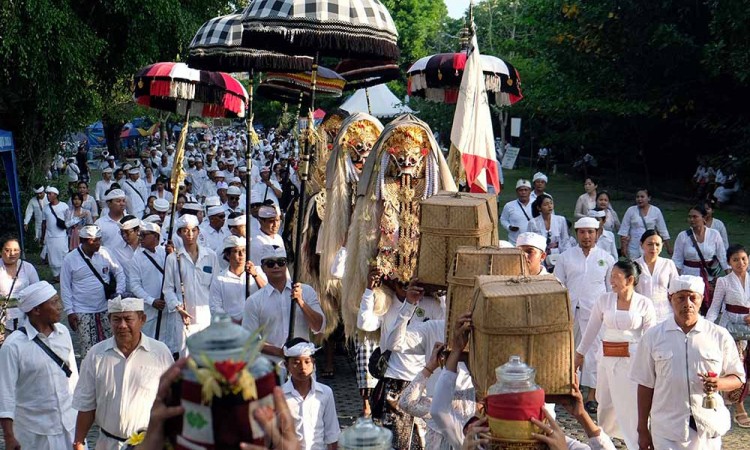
column 328, row 40
column 236, row 60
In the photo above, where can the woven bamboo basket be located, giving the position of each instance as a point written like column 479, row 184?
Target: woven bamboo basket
column 526, row 316
column 449, row 220
column 467, row 264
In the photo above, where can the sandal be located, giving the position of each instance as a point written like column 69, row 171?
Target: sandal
column 591, row 406
column 742, row 420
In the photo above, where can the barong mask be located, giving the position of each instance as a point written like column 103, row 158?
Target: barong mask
column 359, row 139
column 407, row 174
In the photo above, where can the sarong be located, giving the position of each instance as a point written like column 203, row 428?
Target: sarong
column 92, row 329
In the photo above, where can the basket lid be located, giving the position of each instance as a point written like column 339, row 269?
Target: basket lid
column 365, row 435
column 221, row 341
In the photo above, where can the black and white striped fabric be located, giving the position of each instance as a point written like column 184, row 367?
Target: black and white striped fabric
column 361, row 28
column 218, row 46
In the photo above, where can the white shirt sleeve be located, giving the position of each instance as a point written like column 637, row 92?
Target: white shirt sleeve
column 84, row 397
column 9, row 369
column 214, row 297
column 367, row 320
column 442, row 412
column 594, row 325
column 171, row 281
column 331, row 426
column 400, row 339
column 66, row 287
column 250, row 319
column 29, row 212
column 643, row 368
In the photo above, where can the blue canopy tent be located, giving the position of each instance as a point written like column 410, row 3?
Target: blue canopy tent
column 8, row 152
column 95, row 135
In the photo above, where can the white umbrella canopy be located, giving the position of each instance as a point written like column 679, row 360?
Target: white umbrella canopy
column 383, row 102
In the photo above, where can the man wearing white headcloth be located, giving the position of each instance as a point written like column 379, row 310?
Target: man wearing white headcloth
column 539, row 181
column 54, row 231
column 237, row 224
column 311, row 403
column 145, row 281
column 676, row 365
column 109, row 222
column 119, row 379
column 585, row 270
column 533, row 246
column 187, row 280
column 228, row 287
column 124, row 251
column 102, row 186
column 270, row 306
column 517, row 213
column 35, row 210
column 269, row 218
column 213, row 230
column 90, row 275
column 38, row 374
column 136, row 192
column 605, row 238
column 267, row 188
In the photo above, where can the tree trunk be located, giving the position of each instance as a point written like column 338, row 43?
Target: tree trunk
column 112, row 131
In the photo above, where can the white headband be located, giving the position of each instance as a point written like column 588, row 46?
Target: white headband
column 130, row 224
column 301, row 349
column 34, row 295
column 237, row 221
column 119, row 304
column 90, row 232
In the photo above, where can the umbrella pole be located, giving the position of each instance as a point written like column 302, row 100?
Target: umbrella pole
column 179, row 156
column 303, row 172
column 367, row 96
column 248, row 179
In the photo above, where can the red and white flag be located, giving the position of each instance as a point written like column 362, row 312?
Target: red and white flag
column 472, row 127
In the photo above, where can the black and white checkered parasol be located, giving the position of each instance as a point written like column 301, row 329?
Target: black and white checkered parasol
column 345, row 28
column 218, row 46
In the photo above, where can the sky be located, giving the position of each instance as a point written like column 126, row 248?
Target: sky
column 457, row 8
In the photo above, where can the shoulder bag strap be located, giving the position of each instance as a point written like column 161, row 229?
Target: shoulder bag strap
column 93, row 269
column 54, row 356
column 643, row 219
column 698, row 249
column 153, row 261
column 522, row 209
column 136, row 191
column 53, row 211
column 18, row 272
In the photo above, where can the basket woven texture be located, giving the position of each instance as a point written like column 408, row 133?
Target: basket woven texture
column 526, row 316
column 467, row 264
column 449, row 220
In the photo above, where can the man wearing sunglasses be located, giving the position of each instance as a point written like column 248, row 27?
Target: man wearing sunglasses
column 270, row 306
column 270, row 223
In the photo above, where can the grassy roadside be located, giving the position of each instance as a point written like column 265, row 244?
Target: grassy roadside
column 566, row 190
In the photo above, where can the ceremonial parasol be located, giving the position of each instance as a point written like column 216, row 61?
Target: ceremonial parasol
column 176, row 88
column 218, row 46
column 367, row 73
column 361, row 29
column 438, row 78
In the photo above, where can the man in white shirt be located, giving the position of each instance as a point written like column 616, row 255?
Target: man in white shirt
column 55, row 237
column 269, row 218
column 404, row 304
column 539, row 180
column 123, row 251
column 145, row 276
column 533, row 246
column 517, row 213
column 187, row 280
column 109, row 223
column 237, row 225
column 85, row 271
column 228, row 292
column 270, row 307
column 310, row 402
column 136, row 191
column 119, row 379
column 35, row 391
column 267, row 188
column 35, row 209
column 102, row 186
column 677, row 363
column 234, row 197
column 585, row 271
column 213, row 230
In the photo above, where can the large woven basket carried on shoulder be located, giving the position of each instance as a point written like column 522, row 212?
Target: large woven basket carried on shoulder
column 467, row 264
column 449, row 220
column 526, row 316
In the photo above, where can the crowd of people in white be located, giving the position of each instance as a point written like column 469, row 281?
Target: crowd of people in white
column 132, row 292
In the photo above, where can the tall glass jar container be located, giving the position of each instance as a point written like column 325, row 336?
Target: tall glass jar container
column 513, row 400
column 365, row 435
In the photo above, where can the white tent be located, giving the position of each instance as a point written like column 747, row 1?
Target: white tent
column 383, row 103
